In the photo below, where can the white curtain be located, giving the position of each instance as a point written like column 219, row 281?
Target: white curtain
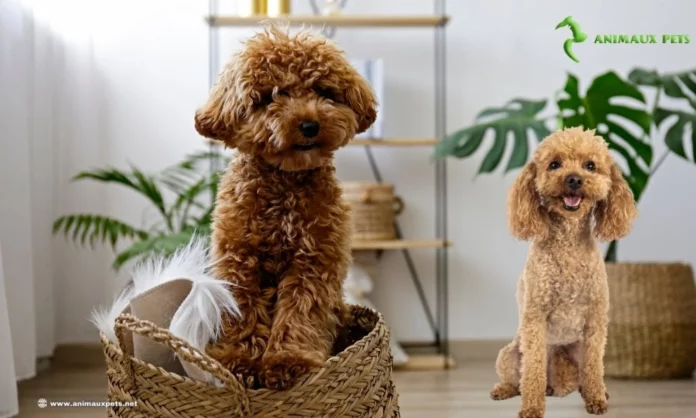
column 8, row 387
column 44, row 91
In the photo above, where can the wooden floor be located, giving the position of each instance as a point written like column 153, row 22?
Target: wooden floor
column 459, row 393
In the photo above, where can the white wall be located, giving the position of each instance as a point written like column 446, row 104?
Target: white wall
column 151, row 61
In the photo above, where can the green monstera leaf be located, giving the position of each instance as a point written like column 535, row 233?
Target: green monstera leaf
column 675, row 85
column 599, row 109
column 682, row 132
column 519, row 118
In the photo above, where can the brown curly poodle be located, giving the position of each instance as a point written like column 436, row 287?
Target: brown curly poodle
column 281, row 232
column 569, row 195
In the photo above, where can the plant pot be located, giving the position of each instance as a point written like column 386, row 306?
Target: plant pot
column 652, row 321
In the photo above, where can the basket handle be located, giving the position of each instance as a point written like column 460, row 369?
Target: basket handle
column 127, row 322
column 398, row 205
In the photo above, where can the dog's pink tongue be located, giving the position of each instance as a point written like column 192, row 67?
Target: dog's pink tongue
column 572, row 201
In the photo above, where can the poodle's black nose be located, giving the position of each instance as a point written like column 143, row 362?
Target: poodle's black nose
column 574, row 181
column 309, row 129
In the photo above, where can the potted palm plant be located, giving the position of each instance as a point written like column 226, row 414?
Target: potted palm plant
column 182, row 195
column 641, row 343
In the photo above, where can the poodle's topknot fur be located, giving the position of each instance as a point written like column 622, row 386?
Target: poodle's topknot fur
column 571, row 193
column 281, row 231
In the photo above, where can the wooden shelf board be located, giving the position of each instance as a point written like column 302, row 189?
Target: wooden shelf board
column 333, row 21
column 399, row 244
column 380, row 142
column 425, row 362
column 394, row 142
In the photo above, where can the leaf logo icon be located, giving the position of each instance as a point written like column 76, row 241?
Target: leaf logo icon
column 578, row 36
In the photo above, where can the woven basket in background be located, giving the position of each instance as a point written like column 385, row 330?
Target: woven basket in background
column 354, row 383
column 652, row 321
column 374, row 207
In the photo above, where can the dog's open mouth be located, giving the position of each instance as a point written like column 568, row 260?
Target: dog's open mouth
column 572, row 202
column 305, row 147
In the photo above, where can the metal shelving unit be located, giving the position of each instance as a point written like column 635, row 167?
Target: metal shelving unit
column 438, row 319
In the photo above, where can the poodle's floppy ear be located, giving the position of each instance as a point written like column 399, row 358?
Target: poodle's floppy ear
column 361, row 99
column 218, row 118
column 615, row 214
column 525, row 211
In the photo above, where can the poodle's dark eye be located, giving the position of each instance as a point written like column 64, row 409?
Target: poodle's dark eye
column 590, row 166
column 326, row 94
column 555, row 165
column 266, row 99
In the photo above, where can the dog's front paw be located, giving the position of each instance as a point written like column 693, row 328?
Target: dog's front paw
column 596, row 406
column 237, row 361
column 282, row 369
column 595, row 403
column 502, row 391
column 532, row 413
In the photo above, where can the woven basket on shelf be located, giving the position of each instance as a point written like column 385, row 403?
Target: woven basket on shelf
column 652, row 321
column 374, row 207
column 354, row 383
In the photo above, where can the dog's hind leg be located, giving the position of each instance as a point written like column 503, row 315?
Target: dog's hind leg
column 508, row 368
column 563, row 371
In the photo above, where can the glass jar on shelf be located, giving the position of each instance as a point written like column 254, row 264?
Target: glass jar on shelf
column 278, row 8
column 252, row 7
column 328, row 7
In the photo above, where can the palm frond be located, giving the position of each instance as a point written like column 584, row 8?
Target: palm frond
column 136, row 181
column 177, row 179
column 108, row 175
column 186, row 200
column 190, row 185
column 155, row 245
column 190, row 180
column 149, row 186
column 86, row 228
column 194, row 160
column 206, row 218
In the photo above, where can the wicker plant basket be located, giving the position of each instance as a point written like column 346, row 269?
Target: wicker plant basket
column 374, row 208
column 354, row 383
column 652, row 321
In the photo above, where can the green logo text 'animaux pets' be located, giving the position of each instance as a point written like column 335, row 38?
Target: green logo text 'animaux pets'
column 578, row 36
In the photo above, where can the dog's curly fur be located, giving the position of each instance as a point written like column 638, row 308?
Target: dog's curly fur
column 281, row 232
column 562, row 295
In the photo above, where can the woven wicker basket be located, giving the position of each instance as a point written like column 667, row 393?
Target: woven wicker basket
column 354, row 383
column 374, row 207
column 652, row 321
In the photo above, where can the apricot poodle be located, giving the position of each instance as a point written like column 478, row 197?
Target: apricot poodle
column 569, row 196
column 281, row 232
